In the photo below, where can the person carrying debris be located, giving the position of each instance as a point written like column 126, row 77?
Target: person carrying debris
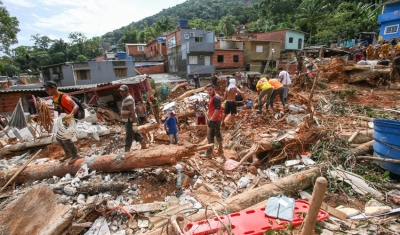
column 395, row 71
column 278, row 90
column 230, row 98
column 128, row 115
column 284, row 78
column 263, row 89
column 68, row 106
column 196, row 79
column 171, row 126
column 214, row 120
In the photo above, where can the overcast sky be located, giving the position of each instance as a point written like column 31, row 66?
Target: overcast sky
column 57, row 18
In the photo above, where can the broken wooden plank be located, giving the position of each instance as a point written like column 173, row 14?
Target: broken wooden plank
column 378, row 159
column 332, row 211
column 36, row 212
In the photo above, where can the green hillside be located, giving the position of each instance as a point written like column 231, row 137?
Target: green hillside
column 210, row 11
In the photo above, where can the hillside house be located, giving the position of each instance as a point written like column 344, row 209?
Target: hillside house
column 292, row 40
column 136, row 51
column 91, row 72
column 190, row 50
column 156, row 49
column 389, row 20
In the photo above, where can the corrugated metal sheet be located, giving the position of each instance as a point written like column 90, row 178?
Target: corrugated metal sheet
column 38, row 87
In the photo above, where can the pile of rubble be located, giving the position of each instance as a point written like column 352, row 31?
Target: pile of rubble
column 156, row 190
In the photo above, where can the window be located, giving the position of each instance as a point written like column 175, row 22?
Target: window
column 198, row 39
column 140, row 48
column 220, row 59
column 235, row 58
column 121, row 72
column 259, row 48
column 171, row 42
column 82, row 74
column 192, row 59
column 391, row 29
column 290, row 40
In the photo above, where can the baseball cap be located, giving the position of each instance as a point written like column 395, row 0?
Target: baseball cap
column 50, row 84
column 172, row 113
column 123, row 88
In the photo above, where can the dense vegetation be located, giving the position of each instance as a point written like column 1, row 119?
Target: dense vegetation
column 324, row 21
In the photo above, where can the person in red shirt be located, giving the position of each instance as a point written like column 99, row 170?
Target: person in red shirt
column 68, row 106
column 214, row 120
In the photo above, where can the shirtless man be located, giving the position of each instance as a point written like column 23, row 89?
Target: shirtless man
column 230, row 97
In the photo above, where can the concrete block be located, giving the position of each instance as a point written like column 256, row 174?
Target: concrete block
column 26, row 134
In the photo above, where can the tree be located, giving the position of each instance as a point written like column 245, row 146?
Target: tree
column 41, row 42
column 311, row 12
column 81, row 58
column 8, row 29
column 227, row 25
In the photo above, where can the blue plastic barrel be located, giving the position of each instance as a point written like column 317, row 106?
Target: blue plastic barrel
column 183, row 23
column 387, row 143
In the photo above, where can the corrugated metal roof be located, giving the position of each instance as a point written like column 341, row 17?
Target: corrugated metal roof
column 38, row 87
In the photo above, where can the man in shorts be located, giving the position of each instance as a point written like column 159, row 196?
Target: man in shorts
column 230, row 98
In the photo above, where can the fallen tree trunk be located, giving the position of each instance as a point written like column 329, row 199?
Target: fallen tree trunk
column 285, row 186
column 162, row 155
column 148, row 127
column 190, row 93
column 186, row 115
column 177, row 86
column 364, row 75
column 363, row 149
column 379, row 159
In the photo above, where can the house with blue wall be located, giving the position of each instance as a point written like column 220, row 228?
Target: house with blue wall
column 390, row 20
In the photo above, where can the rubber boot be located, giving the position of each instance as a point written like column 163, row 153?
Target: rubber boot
column 65, row 157
column 72, row 160
column 220, row 149
column 127, row 149
column 207, row 153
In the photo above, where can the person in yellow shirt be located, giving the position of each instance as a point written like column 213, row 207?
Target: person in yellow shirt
column 375, row 56
column 278, row 90
column 397, row 48
column 370, row 52
column 264, row 88
column 385, row 49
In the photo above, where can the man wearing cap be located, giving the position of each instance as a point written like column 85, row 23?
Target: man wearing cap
column 68, row 106
column 214, row 120
column 128, row 115
column 171, row 127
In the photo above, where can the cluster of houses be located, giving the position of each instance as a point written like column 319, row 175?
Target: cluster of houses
column 173, row 58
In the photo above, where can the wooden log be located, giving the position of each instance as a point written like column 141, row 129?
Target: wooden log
column 258, row 147
column 20, row 170
column 143, row 158
column 362, row 149
column 364, row 75
column 186, row 115
column 315, row 204
column 190, row 93
column 148, row 127
column 178, row 85
column 285, row 186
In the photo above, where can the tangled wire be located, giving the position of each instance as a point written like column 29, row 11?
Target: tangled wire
column 44, row 118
